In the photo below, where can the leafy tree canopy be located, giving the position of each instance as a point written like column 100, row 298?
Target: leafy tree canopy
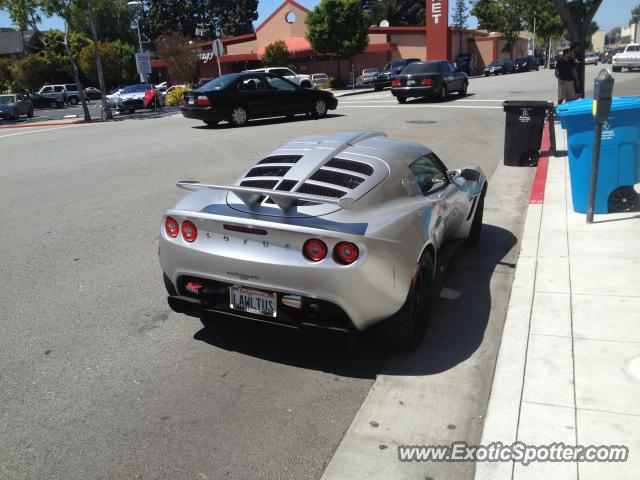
column 409, row 13
column 276, row 54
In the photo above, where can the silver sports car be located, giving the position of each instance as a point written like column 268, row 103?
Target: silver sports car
column 339, row 231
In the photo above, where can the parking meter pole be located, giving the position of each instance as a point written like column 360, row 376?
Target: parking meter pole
column 595, row 163
column 552, row 131
column 602, row 99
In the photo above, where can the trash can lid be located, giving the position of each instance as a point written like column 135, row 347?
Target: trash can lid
column 525, row 104
column 585, row 106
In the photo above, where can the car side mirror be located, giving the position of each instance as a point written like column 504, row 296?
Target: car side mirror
column 470, row 175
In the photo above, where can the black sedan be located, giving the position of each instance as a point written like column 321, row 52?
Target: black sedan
column 237, row 97
column 527, row 64
column 40, row 101
column 499, row 66
column 425, row 79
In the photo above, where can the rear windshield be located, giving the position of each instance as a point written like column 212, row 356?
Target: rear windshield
column 370, row 70
column 220, row 82
column 633, row 48
column 496, row 63
column 396, row 64
column 141, row 87
column 4, row 99
column 431, row 67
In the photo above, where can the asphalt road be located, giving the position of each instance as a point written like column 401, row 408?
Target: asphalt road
column 101, row 380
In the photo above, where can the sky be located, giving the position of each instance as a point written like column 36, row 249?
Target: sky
column 612, row 13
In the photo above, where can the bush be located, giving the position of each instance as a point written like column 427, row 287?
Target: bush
column 30, row 73
column 174, row 97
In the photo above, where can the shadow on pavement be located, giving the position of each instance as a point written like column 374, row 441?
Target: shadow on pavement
column 266, row 121
column 453, row 96
column 459, row 317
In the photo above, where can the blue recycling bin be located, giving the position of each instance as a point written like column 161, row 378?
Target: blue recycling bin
column 619, row 168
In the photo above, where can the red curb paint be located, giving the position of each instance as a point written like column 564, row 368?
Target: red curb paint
column 540, row 180
column 52, row 124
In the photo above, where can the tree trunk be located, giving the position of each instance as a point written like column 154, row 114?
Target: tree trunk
column 76, row 74
column 578, row 26
column 106, row 111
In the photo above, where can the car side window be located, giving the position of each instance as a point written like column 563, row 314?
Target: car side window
column 280, row 84
column 283, row 72
column 430, row 174
column 47, row 90
column 58, row 89
column 251, row 84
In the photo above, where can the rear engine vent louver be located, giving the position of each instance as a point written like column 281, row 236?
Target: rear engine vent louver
column 281, row 159
column 337, row 178
column 269, row 184
column 267, row 171
column 286, row 185
column 322, row 191
column 351, row 165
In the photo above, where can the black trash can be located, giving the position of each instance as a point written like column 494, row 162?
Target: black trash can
column 523, row 131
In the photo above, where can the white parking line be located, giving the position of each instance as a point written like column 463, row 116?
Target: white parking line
column 420, row 106
column 36, row 131
column 394, row 101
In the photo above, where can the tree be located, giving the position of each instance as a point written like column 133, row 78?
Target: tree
column 5, row 74
column 338, row 27
column 112, row 20
column 62, row 8
column 505, row 16
column 408, row 13
column 635, row 15
column 117, row 61
column 30, row 73
column 181, row 57
column 276, row 54
column 460, row 15
column 577, row 17
column 234, row 17
column 23, row 13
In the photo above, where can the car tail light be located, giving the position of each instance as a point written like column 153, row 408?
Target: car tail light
column 314, row 250
column 203, row 101
column 345, row 253
column 395, row 83
column 171, row 227
column 189, row 231
column 428, row 81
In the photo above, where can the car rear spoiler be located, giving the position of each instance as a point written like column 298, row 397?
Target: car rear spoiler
column 251, row 195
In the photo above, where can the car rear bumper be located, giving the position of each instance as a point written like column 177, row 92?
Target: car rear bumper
column 205, row 114
column 413, row 91
column 368, row 291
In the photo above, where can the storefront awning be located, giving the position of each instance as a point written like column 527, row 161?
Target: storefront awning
column 295, row 45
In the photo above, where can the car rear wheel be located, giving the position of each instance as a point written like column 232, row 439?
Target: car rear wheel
column 405, row 330
column 463, row 90
column 73, row 100
column 402, row 99
column 30, row 113
column 238, row 116
column 476, row 225
column 53, row 105
column 319, row 109
column 305, row 85
column 616, row 69
column 444, row 93
column 15, row 115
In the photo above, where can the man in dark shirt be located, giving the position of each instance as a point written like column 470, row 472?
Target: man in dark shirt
column 566, row 74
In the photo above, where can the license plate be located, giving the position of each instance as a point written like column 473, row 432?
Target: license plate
column 192, row 100
column 253, row 301
column 411, row 82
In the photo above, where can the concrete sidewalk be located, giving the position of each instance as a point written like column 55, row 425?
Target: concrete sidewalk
column 568, row 368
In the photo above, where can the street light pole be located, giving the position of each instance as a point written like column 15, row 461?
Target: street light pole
column 135, row 8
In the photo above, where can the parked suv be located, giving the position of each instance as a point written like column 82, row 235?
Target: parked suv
column 390, row 71
column 69, row 91
column 303, row 80
column 12, row 105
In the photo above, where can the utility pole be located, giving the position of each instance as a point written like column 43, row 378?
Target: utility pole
column 106, row 111
column 136, row 8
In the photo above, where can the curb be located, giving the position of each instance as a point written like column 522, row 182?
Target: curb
column 540, row 179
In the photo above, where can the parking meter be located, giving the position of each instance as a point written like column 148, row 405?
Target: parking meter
column 602, row 98
column 602, row 94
